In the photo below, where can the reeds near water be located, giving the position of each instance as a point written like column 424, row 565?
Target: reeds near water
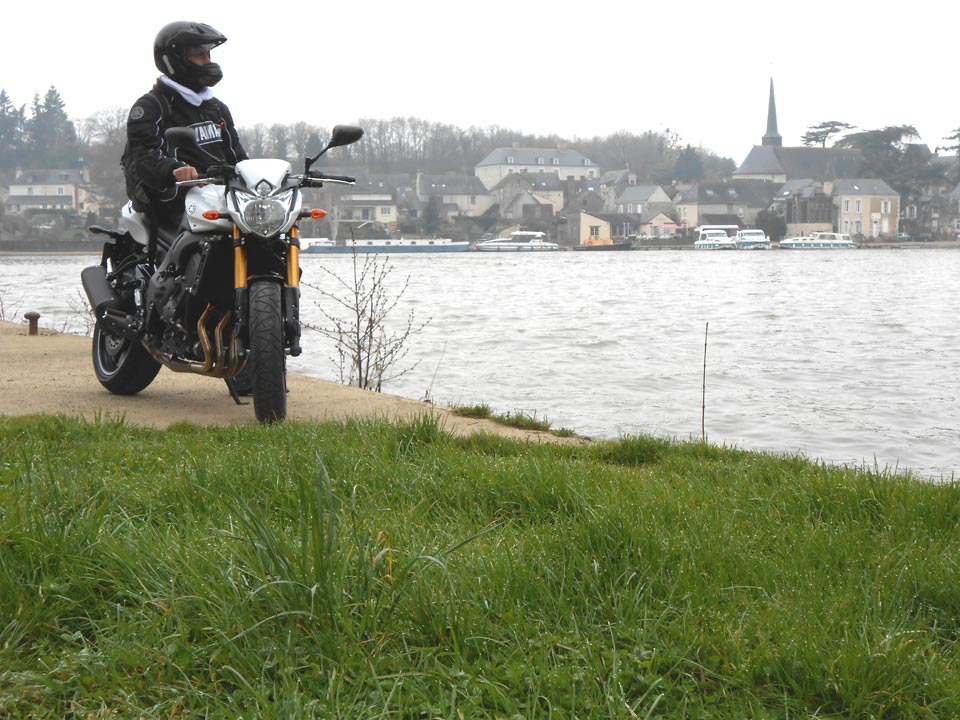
column 367, row 569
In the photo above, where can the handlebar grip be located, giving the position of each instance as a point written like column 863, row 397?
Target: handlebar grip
column 336, row 178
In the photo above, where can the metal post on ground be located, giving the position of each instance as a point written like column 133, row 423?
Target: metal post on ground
column 32, row 317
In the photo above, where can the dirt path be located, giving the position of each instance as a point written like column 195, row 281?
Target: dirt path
column 53, row 373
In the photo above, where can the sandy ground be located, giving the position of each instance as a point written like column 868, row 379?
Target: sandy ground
column 53, row 373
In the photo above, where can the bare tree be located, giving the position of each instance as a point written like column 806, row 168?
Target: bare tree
column 368, row 353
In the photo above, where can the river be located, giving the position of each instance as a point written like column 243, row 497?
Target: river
column 844, row 356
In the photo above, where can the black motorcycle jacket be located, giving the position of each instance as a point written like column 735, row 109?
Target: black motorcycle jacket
column 153, row 160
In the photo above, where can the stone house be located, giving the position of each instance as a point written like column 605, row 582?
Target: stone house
column 457, row 194
column 637, row 198
column 806, row 206
column 581, row 226
column 866, row 206
column 369, row 205
column 529, row 196
column 612, row 184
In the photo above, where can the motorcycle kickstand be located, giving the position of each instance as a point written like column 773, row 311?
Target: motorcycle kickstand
column 233, row 392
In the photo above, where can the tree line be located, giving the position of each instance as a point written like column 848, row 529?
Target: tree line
column 44, row 137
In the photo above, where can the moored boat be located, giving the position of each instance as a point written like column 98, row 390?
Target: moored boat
column 819, row 241
column 714, row 239
column 752, row 239
column 388, row 245
column 594, row 243
column 519, row 241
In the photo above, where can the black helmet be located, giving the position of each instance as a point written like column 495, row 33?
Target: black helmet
column 170, row 53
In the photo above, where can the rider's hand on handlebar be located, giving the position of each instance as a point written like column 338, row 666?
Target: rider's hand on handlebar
column 187, row 172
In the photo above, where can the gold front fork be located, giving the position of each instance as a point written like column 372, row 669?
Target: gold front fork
column 293, row 258
column 239, row 261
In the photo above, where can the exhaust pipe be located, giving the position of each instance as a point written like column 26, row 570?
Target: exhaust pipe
column 107, row 305
column 99, row 293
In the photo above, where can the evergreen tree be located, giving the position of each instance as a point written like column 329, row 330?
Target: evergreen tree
column 52, row 135
column 689, row 165
column 820, row 134
column 11, row 132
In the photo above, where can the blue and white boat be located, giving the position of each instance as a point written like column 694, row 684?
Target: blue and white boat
column 714, row 237
column 519, row 241
column 387, row 245
column 752, row 239
column 819, row 241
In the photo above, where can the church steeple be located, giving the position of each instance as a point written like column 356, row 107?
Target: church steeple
column 772, row 137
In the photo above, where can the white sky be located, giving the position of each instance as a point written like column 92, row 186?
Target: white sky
column 699, row 68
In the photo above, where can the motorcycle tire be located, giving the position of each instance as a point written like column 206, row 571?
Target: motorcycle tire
column 122, row 366
column 266, row 352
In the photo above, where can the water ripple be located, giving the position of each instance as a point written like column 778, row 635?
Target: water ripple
column 847, row 357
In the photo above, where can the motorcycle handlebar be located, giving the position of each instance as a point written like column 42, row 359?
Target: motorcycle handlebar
column 332, row 178
column 199, row 181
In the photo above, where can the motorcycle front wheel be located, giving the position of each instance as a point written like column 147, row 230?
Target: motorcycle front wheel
column 122, row 366
column 266, row 352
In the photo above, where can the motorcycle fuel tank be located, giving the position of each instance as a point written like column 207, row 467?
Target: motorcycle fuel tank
column 134, row 223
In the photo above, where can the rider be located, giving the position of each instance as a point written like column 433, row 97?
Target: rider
column 181, row 98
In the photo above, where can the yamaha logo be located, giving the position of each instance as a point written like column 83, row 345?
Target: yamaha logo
column 192, row 210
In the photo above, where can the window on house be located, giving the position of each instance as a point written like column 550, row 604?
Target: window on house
column 858, row 227
column 858, row 207
column 885, row 207
column 510, row 161
column 556, row 161
column 59, row 191
column 846, row 206
column 539, row 161
column 385, row 211
column 630, row 207
column 29, row 191
column 586, row 162
column 846, row 226
column 473, row 199
column 911, row 212
column 595, row 231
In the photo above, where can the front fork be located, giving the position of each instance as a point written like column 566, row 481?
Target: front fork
column 290, row 295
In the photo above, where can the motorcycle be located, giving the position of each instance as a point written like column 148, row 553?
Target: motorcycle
column 222, row 294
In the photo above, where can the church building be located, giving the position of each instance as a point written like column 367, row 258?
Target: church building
column 772, row 162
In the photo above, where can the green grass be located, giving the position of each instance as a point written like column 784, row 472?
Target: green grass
column 517, row 419
column 372, row 570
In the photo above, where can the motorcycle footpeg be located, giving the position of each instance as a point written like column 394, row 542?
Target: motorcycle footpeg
column 119, row 323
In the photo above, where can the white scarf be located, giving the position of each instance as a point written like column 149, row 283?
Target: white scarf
column 192, row 97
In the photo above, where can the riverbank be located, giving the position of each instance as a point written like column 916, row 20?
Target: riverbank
column 369, row 569
column 52, row 373
column 80, row 247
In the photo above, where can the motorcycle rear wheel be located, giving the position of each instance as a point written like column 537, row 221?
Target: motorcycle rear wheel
column 266, row 352
column 122, row 366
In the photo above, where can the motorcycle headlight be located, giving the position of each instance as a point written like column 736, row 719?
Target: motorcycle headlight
column 264, row 216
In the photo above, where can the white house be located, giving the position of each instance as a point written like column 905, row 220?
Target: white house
column 50, row 190
column 567, row 164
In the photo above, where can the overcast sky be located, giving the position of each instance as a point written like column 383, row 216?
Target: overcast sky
column 701, row 69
